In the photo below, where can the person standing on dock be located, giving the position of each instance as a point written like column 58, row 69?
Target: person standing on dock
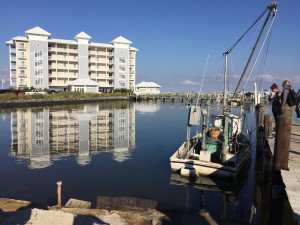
column 297, row 110
column 276, row 105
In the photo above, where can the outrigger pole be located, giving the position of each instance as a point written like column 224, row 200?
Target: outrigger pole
column 272, row 7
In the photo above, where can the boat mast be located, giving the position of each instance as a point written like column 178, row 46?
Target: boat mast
column 225, row 78
column 272, row 7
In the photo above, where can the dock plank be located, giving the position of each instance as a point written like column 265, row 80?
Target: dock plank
column 291, row 178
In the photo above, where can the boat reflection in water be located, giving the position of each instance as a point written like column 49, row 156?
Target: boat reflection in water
column 44, row 135
column 216, row 194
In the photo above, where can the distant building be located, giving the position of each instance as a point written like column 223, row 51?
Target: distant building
column 147, row 88
column 39, row 61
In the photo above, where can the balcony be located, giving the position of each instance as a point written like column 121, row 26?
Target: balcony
column 52, row 49
column 62, row 59
column 52, row 57
column 22, row 48
column 73, row 59
column 73, row 50
column 13, row 51
column 22, row 75
column 21, row 56
column 92, row 52
column 73, row 68
column 22, row 66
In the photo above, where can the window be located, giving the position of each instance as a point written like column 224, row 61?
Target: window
column 22, row 55
column 122, row 76
column 122, row 68
column 21, row 45
column 38, row 63
column 122, row 60
column 39, row 81
column 38, row 53
column 22, row 72
column 22, row 64
column 122, row 83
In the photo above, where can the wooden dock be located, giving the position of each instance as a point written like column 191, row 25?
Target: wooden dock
column 291, row 177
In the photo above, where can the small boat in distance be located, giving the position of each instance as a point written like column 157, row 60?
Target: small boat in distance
column 223, row 148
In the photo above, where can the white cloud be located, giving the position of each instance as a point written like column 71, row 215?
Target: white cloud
column 190, row 83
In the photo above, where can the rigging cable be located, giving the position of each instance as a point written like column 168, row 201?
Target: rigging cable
column 272, row 8
column 232, row 47
column 202, row 80
column 264, row 61
column 267, row 35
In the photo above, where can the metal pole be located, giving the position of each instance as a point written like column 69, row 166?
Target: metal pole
column 225, row 78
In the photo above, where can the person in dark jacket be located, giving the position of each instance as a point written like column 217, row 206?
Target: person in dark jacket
column 276, row 105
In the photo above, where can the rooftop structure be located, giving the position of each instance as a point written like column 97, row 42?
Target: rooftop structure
column 145, row 88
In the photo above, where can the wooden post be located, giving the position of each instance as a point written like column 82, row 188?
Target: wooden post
column 260, row 110
column 282, row 142
column 59, row 183
column 268, row 126
column 255, row 95
column 259, row 143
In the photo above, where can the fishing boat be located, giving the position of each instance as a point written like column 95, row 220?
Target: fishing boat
column 222, row 147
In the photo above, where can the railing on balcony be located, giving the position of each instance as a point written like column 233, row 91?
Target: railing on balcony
column 21, row 56
column 22, row 66
column 12, row 51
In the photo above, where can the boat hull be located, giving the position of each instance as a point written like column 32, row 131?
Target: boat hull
column 205, row 168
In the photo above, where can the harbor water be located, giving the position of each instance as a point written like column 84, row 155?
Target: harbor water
column 118, row 149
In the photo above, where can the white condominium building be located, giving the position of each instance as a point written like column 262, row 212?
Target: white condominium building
column 39, row 61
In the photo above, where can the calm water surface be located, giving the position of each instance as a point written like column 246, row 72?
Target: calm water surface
column 116, row 149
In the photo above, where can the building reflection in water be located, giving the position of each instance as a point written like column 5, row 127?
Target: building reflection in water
column 43, row 135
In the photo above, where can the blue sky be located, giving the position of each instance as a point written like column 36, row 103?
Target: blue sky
column 174, row 37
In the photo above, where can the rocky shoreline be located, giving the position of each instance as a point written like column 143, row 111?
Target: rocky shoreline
column 23, row 212
column 19, row 212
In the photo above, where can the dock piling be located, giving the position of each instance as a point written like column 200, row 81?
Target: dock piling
column 59, row 183
column 282, row 142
